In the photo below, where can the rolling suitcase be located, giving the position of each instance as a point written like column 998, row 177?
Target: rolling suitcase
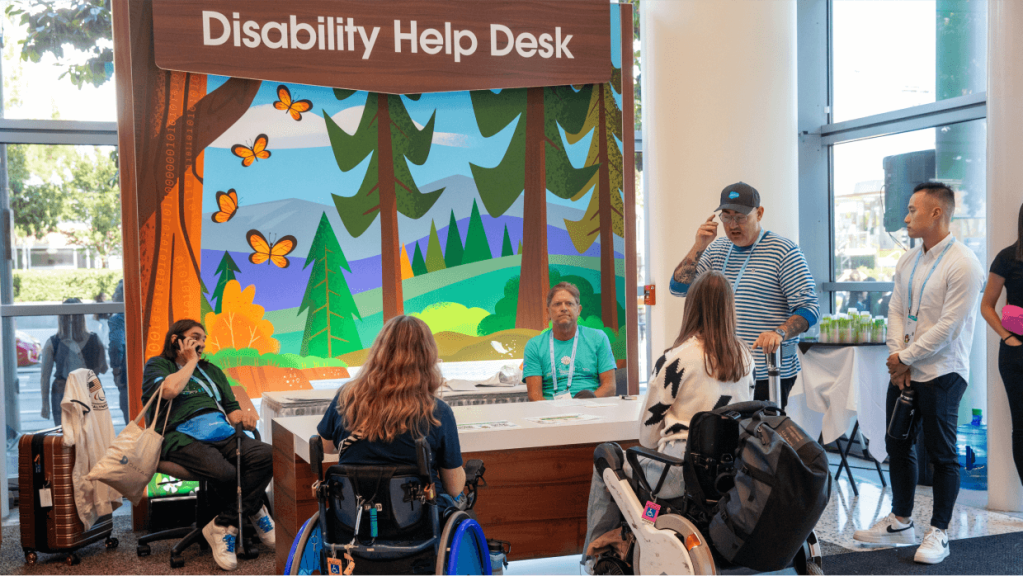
column 49, row 516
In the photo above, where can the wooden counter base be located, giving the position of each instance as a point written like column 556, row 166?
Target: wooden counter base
column 535, row 498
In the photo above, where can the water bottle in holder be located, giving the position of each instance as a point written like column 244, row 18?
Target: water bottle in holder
column 903, row 415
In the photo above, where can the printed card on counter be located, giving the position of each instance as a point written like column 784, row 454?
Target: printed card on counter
column 564, row 419
column 495, row 425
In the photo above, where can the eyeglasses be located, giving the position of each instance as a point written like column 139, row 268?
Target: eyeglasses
column 741, row 219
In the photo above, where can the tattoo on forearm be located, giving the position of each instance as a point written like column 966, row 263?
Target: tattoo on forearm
column 795, row 325
column 685, row 272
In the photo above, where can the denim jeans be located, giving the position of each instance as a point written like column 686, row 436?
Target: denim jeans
column 1010, row 365
column 937, row 414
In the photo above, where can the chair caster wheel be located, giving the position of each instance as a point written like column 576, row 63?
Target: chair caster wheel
column 31, row 557
column 72, row 559
column 142, row 550
column 177, row 562
column 111, row 543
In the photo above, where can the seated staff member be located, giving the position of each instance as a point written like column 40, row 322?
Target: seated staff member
column 707, row 367
column 581, row 355
column 391, row 403
column 200, row 436
column 775, row 299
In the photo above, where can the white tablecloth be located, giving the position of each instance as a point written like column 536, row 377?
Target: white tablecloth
column 837, row 385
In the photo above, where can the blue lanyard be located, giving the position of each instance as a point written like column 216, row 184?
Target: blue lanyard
column 215, row 394
column 735, row 286
column 913, row 273
column 571, row 365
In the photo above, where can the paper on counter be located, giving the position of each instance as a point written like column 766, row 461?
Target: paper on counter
column 495, row 425
column 563, row 419
column 458, row 385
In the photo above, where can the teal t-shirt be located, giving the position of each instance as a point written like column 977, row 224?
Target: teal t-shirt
column 592, row 358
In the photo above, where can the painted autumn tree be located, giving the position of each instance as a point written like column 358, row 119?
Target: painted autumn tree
column 225, row 273
column 604, row 215
column 386, row 132
column 330, row 325
column 536, row 161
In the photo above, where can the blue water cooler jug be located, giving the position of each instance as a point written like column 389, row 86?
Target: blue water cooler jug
column 971, row 443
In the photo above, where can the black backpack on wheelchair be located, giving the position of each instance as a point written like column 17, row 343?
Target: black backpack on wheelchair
column 386, row 520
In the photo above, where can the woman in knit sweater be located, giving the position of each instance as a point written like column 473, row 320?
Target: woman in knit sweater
column 707, row 367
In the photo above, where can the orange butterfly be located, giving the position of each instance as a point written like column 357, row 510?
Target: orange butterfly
column 228, row 204
column 275, row 252
column 296, row 107
column 257, row 152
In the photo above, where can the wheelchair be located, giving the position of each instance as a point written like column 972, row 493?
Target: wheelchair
column 387, row 520
column 673, row 544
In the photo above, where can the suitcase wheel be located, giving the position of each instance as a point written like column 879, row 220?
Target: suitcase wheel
column 31, row 557
column 176, row 561
column 111, row 543
column 142, row 550
column 72, row 559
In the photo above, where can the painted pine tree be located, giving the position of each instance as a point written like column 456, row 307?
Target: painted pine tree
column 387, row 132
column 604, row 215
column 506, row 245
column 454, row 250
column 477, row 248
column 418, row 262
column 534, row 162
column 434, row 256
column 330, row 324
column 225, row 273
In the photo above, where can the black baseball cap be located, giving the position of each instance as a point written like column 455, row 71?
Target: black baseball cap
column 740, row 197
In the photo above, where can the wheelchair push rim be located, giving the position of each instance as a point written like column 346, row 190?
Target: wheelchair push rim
column 304, row 557
column 463, row 547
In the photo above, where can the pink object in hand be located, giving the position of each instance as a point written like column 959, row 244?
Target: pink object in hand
column 1012, row 318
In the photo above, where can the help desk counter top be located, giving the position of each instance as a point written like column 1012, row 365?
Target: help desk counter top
column 617, row 420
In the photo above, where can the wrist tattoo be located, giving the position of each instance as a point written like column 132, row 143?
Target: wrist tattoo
column 685, row 272
column 794, row 325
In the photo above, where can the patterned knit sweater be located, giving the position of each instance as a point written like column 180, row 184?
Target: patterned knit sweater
column 680, row 388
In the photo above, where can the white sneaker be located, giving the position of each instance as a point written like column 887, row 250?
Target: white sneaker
column 934, row 548
column 887, row 530
column 222, row 541
column 264, row 526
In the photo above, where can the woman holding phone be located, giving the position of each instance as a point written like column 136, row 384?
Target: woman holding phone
column 200, row 435
column 1007, row 273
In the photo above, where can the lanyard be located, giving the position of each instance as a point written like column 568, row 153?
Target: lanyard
column 571, row 365
column 215, row 393
column 913, row 273
column 735, row 287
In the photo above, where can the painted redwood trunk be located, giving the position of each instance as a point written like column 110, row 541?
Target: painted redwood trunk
column 390, row 246
column 533, row 279
column 608, row 300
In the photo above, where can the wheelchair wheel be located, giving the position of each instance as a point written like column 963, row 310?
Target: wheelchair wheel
column 701, row 557
column 463, row 547
column 808, row 560
column 304, row 557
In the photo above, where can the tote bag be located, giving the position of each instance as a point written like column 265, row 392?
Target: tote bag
column 132, row 458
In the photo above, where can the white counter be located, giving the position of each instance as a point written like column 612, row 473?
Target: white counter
column 618, row 420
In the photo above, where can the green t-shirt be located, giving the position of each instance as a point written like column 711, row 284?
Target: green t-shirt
column 192, row 401
column 593, row 357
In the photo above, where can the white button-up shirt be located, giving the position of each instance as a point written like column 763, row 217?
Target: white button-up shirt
column 948, row 310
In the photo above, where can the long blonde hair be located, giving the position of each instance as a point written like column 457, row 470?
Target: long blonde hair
column 394, row 391
column 710, row 314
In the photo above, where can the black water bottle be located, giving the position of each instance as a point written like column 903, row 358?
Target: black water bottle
column 902, row 416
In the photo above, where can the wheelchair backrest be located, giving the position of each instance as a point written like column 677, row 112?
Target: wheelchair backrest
column 396, row 489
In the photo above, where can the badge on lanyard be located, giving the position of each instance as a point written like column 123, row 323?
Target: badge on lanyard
column 909, row 330
column 566, row 361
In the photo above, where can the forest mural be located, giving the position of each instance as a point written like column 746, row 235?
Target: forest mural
column 294, row 220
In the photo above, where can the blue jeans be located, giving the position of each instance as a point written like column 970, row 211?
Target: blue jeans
column 937, row 414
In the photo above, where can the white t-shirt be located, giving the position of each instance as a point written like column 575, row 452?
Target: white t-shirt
column 89, row 428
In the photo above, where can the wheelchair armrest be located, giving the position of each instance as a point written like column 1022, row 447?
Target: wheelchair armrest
column 316, row 456
column 653, row 455
column 474, row 470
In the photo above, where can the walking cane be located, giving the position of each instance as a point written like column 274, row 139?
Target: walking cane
column 238, row 470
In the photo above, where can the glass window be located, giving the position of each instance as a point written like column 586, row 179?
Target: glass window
column 893, row 54
column 874, row 302
column 873, row 180
column 36, row 90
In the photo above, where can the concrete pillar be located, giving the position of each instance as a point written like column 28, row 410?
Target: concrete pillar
column 719, row 106
column 1004, row 140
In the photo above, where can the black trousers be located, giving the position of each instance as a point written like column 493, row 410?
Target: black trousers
column 1010, row 365
column 215, row 462
column 937, row 414
column 763, row 391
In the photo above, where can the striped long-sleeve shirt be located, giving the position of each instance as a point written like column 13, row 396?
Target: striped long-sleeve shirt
column 776, row 284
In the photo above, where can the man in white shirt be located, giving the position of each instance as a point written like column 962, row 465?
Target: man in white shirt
column 930, row 332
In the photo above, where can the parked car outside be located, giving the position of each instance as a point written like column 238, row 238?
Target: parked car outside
column 29, row 349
